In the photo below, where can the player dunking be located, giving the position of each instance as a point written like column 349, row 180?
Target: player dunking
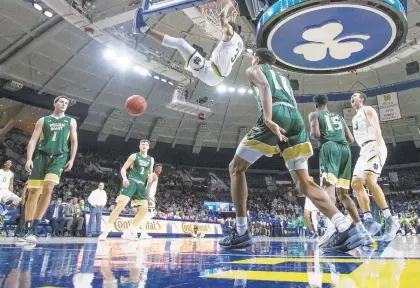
column 213, row 71
column 280, row 124
column 151, row 199
column 134, row 189
column 6, row 187
column 50, row 159
column 332, row 132
column 373, row 152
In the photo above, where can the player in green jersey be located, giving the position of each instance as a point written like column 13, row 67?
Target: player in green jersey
column 47, row 157
column 134, row 189
column 334, row 135
column 279, row 128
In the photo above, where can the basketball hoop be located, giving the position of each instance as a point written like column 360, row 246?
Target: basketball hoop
column 211, row 13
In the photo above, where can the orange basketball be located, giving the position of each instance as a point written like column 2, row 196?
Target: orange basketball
column 135, row 105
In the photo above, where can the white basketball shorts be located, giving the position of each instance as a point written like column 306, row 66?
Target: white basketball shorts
column 7, row 196
column 369, row 161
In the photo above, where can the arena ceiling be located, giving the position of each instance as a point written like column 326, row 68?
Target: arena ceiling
column 57, row 56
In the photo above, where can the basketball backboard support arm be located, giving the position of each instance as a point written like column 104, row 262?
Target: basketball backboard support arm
column 161, row 7
column 167, row 6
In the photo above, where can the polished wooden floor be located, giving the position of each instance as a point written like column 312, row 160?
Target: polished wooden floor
column 272, row 262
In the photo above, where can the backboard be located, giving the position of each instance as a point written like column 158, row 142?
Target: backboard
column 165, row 6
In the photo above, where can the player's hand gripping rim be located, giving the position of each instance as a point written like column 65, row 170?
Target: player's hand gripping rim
column 277, row 130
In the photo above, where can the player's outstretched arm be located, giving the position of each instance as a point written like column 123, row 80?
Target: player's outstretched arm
column 32, row 144
column 227, row 28
column 73, row 145
column 314, row 126
column 347, row 132
column 127, row 165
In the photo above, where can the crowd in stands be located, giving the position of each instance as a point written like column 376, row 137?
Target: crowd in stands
column 182, row 190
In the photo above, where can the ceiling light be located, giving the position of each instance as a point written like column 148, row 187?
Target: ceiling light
column 249, row 50
column 221, row 88
column 140, row 70
column 109, row 54
column 250, row 91
column 241, row 90
column 163, row 80
column 231, row 89
column 123, row 63
column 170, row 83
column 38, row 7
column 156, row 77
column 48, row 13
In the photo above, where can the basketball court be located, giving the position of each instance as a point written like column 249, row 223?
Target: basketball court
column 272, row 262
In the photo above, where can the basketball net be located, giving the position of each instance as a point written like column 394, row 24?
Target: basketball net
column 211, row 13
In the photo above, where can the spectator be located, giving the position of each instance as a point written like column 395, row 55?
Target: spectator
column 82, row 206
column 73, row 216
column 55, row 218
column 97, row 200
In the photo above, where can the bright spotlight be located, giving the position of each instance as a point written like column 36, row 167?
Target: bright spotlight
column 38, row 7
column 231, row 89
column 250, row 91
column 170, row 83
column 221, row 88
column 163, row 80
column 140, row 70
column 123, row 62
column 109, row 54
column 156, row 77
column 241, row 90
column 249, row 50
column 48, row 13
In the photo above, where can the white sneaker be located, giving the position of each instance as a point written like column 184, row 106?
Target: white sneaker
column 103, row 235
column 327, row 235
column 126, row 235
column 145, row 236
column 31, row 238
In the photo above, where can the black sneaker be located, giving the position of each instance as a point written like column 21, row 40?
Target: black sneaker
column 344, row 241
column 234, row 241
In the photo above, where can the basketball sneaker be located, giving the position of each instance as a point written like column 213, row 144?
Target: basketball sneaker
column 145, row 236
column 372, row 226
column 234, row 241
column 103, row 235
column 139, row 22
column 391, row 228
column 327, row 235
column 344, row 241
column 30, row 237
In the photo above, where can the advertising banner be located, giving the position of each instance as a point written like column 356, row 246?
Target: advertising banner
column 171, row 227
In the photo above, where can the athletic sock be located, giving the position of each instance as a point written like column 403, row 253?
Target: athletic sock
column 387, row 212
column 360, row 226
column 340, row 222
column 241, row 225
column 367, row 216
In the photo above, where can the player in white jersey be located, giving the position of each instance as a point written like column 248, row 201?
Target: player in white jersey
column 373, row 152
column 213, row 71
column 6, row 186
column 310, row 212
column 151, row 192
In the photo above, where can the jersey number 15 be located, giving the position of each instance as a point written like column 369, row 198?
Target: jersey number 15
column 333, row 123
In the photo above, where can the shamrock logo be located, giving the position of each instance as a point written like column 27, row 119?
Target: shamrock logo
column 197, row 60
column 323, row 39
column 375, row 166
